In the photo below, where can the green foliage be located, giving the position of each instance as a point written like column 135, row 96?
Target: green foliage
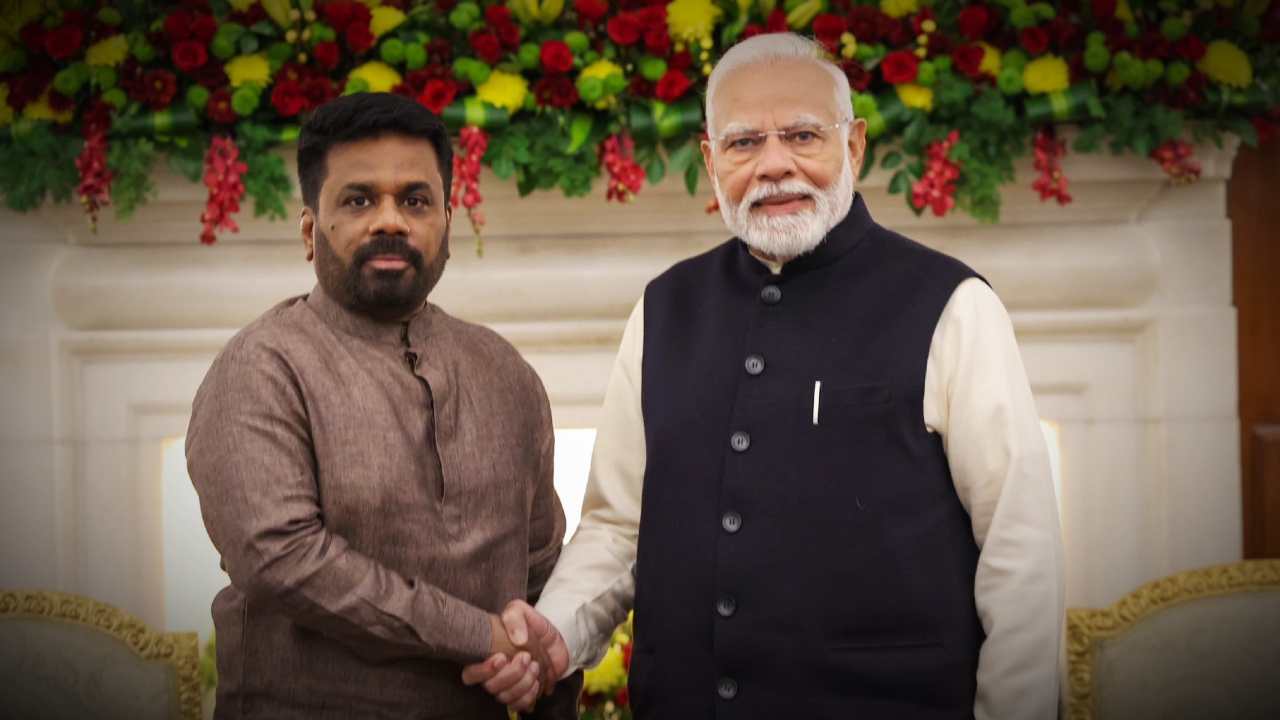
column 130, row 162
column 35, row 164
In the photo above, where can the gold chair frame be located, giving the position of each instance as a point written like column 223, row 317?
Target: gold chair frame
column 178, row 649
column 1085, row 627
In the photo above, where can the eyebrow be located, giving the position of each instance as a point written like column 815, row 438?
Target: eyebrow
column 363, row 187
column 800, row 120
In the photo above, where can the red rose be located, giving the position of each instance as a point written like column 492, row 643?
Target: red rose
column 509, row 34
column 639, row 87
column 211, row 76
column 327, row 54
column 623, row 29
column 1191, row 48
column 178, row 25
column 1103, row 9
column 681, row 60
column 968, row 59
column 287, row 98
column 359, row 37
column 672, row 86
column 776, row 22
column 189, row 56
column 859, row 78
column 899, row 67
column 864, row 23
column 158, row 88
column 828, row 28
column 486, row 45
column 974, row 21
column 556, row 56
column 657, row 41
column 1034, row 40
column 62, row 42
column 437, row 95
column 497, row 15
column 342, row 15
column 203, row 28
column 591, row 10
column 555, row 91
column 219, row 107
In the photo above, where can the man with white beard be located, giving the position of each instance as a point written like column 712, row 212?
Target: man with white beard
column 820, row 478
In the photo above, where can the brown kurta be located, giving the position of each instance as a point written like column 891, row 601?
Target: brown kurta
column 375, row 490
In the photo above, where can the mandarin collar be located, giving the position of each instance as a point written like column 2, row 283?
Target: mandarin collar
column 842, row 238
column 394, row 332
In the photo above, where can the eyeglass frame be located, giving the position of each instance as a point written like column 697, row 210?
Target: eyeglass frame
column 764, row 135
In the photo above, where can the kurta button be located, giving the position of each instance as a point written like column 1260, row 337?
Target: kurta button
column 727, row 688
column 726, row 606
column 731, row 522
column 771, row 294
column 740, row 441
column 754, row 364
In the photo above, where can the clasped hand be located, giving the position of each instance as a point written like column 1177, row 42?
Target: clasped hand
column 528, row 656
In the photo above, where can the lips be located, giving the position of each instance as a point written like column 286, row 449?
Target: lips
column 781, row 199
column 388, row 262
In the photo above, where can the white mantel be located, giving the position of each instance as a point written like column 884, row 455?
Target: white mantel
column 1121, row 301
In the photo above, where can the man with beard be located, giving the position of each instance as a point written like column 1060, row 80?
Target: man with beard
column 820, row 477
column 376, row 474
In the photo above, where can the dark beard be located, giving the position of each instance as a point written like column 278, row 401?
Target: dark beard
column 381, row 294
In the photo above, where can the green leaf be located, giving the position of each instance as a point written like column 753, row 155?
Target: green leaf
column 131, row 161
column 248, row 44
column 655, row 169
column 1245, row 130
column 899, row 183
column 691, row 178
column 681, row 158
column 891, row 160
column 263, row 27
column 37, row 164
column 267, row 182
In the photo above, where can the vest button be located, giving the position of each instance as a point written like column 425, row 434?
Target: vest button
column 740, row 441
column 731, row 522
column 771, row 294
column 726, row 606
column 727, row 688
column 754, row 364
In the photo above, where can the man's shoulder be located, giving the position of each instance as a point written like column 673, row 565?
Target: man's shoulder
column 917, row 260
column 697, row 265
column 283, row 325
column 476, row 342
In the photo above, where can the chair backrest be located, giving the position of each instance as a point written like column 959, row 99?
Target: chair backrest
column 1200, row 644
column 67, row 656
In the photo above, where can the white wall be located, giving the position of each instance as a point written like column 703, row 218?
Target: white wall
column 1121, row 301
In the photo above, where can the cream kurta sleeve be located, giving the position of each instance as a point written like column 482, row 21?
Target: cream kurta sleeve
column 978, row 399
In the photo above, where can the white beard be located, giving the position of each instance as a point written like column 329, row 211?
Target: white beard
column 788, row 236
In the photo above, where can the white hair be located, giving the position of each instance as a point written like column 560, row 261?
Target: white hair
column 773, row 47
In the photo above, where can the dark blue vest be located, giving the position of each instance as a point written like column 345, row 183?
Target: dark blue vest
column 788, row 569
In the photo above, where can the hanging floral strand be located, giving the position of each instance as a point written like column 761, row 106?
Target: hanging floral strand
column 94, row 187
column 626, row 177
column 472, row 144
column 1049, row 150
column 1174, row 157
column 937, row 189
column 223, row 173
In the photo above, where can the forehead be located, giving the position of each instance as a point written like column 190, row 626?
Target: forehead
column 388, row 159
column 774, row 94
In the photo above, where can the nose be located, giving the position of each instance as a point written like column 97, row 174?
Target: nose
column 775, row 162
column 389, row 219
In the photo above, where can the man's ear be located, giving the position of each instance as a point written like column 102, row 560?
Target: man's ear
column 705, row 146
column 307, row 225
column 857, row 145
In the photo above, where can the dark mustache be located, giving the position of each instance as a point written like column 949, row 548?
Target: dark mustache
column 396, row 245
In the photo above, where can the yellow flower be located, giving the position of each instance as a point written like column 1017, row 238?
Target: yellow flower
column 1045, row 75
column 600, row 69
column 915, row 96
column 385, row 19
column 898, row 8
column 6, row 112
column 692, row 20
column 377, row 75
column 504, row 89
column 40, row 110
column 990, row 60
column 607, row 677
column 241, row 5
column 1226, row 64
column 248, row 69
column 108, row 52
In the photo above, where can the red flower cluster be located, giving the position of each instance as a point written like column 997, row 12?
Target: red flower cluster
column 472, row 142
column 590, row 12
column 626, row 177
column 500, row 35
column 94, row 187
column 974, row 21
column 1174, row 157
column 827, row 29
column 776, row 22
column 556, row 56
column 189, row 34
column 937, row 189
column 222, row 175
column 1049, row 151
column 156, row 90
column 647, row 23
column 219, row 109
column 871, row 25
column 556, row 91
column 968, row 59
column 298, row 89
column 672, row 86
column 438, row 94
column 351, row 20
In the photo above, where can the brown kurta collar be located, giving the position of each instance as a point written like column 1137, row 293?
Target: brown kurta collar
column 365, row 327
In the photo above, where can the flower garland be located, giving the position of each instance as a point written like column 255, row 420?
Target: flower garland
column 222, row 176
column 472, row 143
column 936, row 189
column 1051, row 183
column 548, row 81
column 95, row 179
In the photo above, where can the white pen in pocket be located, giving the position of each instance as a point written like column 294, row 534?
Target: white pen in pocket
column 817, row 399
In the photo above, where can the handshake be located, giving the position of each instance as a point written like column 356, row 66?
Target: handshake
column 527, row 657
